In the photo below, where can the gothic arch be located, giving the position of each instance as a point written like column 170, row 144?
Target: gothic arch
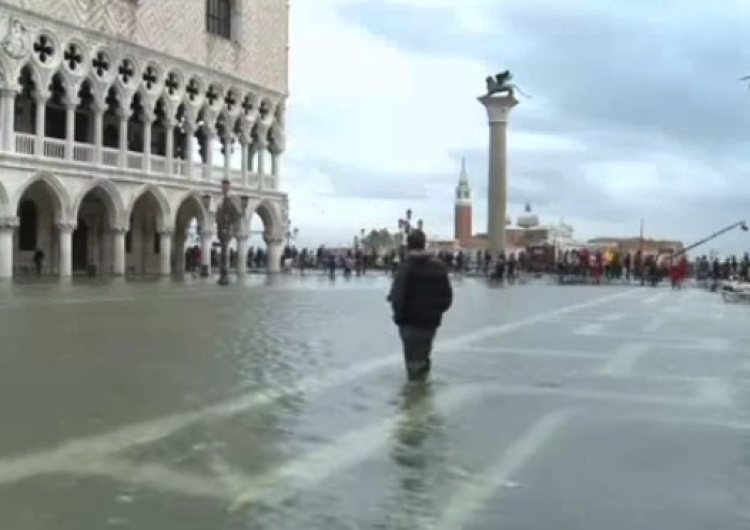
column 273, row 224
column 4, row 202
column 164, row 214
column 116, row 210
column 194, row 197
column 59, row 194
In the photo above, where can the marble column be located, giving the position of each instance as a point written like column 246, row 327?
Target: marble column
column 274, row 249
column 99, row 110
column 118, row 249
column 8, row 108
column 70, row 127
column 124, row 116
column 243, row 160
column 169, row 125
column 208, row 163
column 165, row 248
column 188, row 148
column 498, row 111
column 65, row 246
column 41, row 115
column 148, row 122
column 226, row 141
column 7, row 229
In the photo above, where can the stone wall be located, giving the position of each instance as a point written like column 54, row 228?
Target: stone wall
column 257, row 52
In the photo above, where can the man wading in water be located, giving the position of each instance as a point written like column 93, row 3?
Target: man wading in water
column 420, row 294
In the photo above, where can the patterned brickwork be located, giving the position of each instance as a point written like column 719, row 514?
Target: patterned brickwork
column 177, row 28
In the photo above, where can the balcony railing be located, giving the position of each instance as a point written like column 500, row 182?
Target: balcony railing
column 83, row 153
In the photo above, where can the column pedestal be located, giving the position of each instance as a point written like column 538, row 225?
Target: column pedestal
column 65, row 234
column 498, row 111
column 275, row 250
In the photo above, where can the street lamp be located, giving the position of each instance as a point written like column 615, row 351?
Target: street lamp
column 291, row 235
column 226, row 219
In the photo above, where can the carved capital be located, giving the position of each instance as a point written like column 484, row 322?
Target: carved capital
column 124, row 114
column 498, row 107
column 66, row 227
column 273, row 240
column 42, row 96
column 119, row 231
column 167, row 232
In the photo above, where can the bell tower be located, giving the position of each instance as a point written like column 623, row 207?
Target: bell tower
column 463, row 214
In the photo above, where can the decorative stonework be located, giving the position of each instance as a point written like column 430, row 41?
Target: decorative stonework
column 177, row 28
column 17, row 43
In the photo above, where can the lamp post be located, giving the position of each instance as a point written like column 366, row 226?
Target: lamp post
column 226, row 219
column 291, row 235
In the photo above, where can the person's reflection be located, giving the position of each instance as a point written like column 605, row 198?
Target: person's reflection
column 416, row 457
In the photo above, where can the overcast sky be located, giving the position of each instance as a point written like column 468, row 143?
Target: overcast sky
column 636, row 112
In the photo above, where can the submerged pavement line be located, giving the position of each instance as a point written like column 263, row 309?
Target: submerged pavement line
column 151, row 431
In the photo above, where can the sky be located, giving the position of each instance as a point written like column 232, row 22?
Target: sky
column 635, row 111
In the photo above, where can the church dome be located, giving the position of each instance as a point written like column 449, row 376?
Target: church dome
column 528, row 220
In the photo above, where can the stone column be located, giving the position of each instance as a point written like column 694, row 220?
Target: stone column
column 65, row 233
column 41, row 119
column 208, row 168
column 275, row 249
column 8, row 104
column 124, row 117
column 189, row 140
column 166, row 252
column 118, row 249
column 7, row 229
column 207, row 239
column 243, row 161
column 169, row 125
column 99, row 111
column 498, row 111
column 227, row 143
column 70, row 127
column 148, row 122
column 261, row 148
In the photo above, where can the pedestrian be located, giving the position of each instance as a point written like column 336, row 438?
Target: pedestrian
column 420, row 294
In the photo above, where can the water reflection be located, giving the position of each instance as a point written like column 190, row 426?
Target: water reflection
column 418, row 454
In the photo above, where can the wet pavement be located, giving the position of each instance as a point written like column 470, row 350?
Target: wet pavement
column 281, row 404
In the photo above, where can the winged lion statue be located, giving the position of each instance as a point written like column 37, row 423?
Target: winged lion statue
column 501, row 84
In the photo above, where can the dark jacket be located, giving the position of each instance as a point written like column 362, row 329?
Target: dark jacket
column 421, row 292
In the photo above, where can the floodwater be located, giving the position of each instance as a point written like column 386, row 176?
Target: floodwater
column 281, row 404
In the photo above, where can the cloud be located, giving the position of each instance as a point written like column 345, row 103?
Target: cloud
column 636, row 111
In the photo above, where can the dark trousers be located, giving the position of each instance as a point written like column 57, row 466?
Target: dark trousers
column 417, row 349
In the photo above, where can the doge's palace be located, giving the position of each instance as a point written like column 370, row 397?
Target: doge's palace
column 110, row 111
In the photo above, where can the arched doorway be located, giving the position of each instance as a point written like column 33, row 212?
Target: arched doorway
column 81, row 246
column 145, row 240
column 264, row 251
column 39, row 209
column 188, row 243
column 98, row 213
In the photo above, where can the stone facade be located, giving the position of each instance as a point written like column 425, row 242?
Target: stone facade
column 257, row 51
column 112, row 141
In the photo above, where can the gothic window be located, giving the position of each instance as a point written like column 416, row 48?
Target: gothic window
column 219, row 18
column 28, row 229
